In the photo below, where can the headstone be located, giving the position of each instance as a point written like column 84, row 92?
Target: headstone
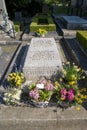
column 45, row 9
column 42, row 59
column 73, row 3
column 55, row 9
column 18, row 16
column 84, row 3
column 74, row 22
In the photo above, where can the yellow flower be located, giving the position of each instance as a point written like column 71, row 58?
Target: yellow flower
column 79, row 101
column 82, row 96
column 78, row 108
column 14, row 74
column 72, row 82
column 56, row 84
column 73, row 77
column 10, row 74
column 62, row 98
column 78, row 69
column 85, row 96
column 60, row 79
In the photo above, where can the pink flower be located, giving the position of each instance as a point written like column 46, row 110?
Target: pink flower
column 70, row 96
column 63, row 97
column 71, row 90
column 31, row 93
column 63, row 91
column 44, row 81
column 34, row 94
column 49, row 87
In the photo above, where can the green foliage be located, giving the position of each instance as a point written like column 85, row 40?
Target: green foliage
column 82, row 38
column 34, row 26
column 51, row 1
column 17, row 26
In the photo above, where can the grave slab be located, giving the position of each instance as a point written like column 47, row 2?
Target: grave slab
column 41, row 59
column 74, row 22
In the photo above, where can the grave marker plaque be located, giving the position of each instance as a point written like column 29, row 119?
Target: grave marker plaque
column 42, row 59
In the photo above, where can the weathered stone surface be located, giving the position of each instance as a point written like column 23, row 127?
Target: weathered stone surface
column 2, row 7
column 42, row 59
column 74, row 22
column 25, row 118
column 0, row 50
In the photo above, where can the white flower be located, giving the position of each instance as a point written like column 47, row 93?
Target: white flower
column 40, row 86
column 17, row 95
column 4, row 98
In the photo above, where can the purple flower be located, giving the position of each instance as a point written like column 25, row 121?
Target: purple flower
column 44, row 81
column 34, row 94
column 31, row 93
column 49, row 86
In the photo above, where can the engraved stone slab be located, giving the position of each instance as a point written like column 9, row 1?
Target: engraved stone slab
column 74, row 22
column 42, row 59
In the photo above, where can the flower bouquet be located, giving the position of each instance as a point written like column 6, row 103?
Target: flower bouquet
column 41, row 32
column 68, row 95
column 12, row 97
column 66, row 88
column 15, row 79
column 71, row 73
column 40, row 92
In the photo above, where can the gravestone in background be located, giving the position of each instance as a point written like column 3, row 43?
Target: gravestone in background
column 55, row 9
column 74, row 22
column 18, row 16
column 42, row 59
column 45, row 9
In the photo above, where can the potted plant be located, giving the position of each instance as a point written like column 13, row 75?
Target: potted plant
column 41, row 92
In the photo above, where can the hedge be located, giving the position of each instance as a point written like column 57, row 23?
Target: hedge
column 19, row 26
column 82, row 38
column 34, row 26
